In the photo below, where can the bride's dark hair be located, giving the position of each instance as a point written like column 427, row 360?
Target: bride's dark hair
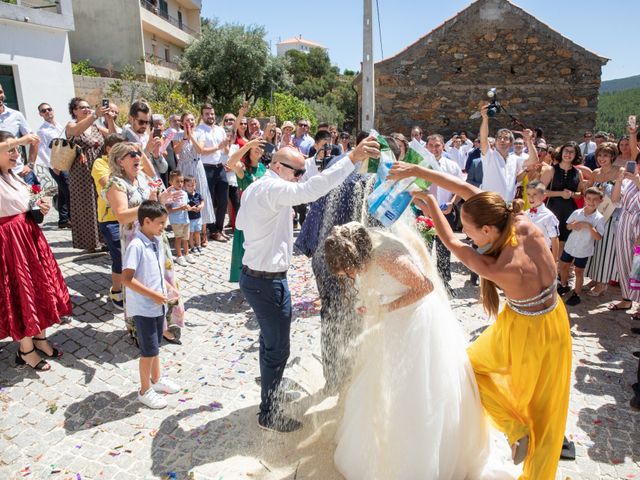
column 347, row 247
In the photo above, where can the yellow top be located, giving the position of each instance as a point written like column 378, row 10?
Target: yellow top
column 101, row 169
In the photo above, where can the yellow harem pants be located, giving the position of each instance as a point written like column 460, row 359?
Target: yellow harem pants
column 523, row 369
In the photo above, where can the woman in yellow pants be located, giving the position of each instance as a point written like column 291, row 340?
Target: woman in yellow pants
column 523, row 361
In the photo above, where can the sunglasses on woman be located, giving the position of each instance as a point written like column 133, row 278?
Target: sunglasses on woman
column 297, row 172
column 133, row 154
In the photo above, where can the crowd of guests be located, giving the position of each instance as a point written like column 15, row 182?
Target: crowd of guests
column 585, row 197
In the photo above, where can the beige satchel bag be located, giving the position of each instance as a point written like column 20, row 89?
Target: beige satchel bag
column 63, row 153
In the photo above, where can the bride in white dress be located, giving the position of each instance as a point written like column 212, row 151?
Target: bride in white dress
column 413, row 409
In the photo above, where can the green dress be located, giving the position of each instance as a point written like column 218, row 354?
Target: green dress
column 237, row 250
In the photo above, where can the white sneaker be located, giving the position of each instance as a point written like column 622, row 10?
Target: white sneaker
column 165, row 385
column 151, row 399
column 181, row 261
column 189, row 258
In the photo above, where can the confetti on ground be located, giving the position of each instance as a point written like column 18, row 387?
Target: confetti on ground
column 52, row 407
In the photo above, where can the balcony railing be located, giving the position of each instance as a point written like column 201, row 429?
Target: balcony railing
column 155, row 60
column 154, row 8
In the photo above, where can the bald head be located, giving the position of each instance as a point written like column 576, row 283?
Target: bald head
column 288, row 163
column 290, row 156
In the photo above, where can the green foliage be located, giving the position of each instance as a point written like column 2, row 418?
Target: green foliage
column 231, row 62
column 83, row 68
column 167, row 101
column 326, row 112
column 614, row 109
column 284, row 107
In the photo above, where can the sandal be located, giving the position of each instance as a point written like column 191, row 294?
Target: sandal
column 55, row 354
column 614, row 307
column 596, row 293
column 42, row 365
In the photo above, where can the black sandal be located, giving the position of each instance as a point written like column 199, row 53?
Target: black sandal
column 56, row 353
column 42, row 365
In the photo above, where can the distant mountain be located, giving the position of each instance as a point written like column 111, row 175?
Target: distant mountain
column 620, row 84
column 614, row 109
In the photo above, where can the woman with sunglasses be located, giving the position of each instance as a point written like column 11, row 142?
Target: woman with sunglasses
column 85, row 133
column 131, row 183
column 33, row 290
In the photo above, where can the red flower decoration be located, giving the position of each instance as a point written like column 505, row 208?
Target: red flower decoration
column 36, row 189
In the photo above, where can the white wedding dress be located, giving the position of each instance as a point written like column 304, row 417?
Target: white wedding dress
column 413, row 409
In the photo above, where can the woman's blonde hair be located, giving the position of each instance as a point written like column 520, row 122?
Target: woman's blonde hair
column 489, row 208
column 118, row 151
column 347, row 247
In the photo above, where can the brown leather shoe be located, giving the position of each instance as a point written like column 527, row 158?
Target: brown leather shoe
column 218, row 237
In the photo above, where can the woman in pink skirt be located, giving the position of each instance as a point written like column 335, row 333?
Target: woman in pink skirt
column 33, row 294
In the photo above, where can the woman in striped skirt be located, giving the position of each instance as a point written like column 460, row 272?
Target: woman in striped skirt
column 601, row 267
column 627, row 192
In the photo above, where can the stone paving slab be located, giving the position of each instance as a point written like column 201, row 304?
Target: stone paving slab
column 82, row 421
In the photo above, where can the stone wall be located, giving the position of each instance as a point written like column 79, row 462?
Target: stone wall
column 94, row 89
column 542, row 78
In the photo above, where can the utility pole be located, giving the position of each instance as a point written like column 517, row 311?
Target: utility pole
column 368, row 89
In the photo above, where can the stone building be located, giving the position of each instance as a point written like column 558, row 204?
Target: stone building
column 543, row 78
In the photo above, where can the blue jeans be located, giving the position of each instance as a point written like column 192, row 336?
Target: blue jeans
column 271, row 302
column 111, row 234
column 31, row 179
column 64, row 197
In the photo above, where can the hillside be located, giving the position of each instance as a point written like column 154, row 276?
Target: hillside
column 620, row 84
column 614, row 109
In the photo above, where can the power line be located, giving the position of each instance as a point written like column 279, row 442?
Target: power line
column 379, row 28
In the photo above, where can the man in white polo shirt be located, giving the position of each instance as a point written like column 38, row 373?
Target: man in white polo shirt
column 211, row 141
column 49, row 130
column 500, row 169
column 265, row 219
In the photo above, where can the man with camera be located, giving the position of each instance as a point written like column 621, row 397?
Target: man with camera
column 499, row 168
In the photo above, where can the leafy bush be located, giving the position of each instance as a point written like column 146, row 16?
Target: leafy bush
column 83, row 68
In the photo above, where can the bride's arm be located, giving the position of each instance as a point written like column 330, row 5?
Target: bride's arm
column 402, row 269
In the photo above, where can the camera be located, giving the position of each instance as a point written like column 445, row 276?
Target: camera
column 494, row 106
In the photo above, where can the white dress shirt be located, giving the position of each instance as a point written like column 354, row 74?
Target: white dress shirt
column 47, row 132
column 587, row 148
column 545, row 220
column 265, row 214
column 13, row 121
column 452, row 168
column 499, row 174
column 211, row 137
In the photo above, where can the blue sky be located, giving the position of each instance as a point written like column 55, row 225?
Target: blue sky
column 606, row 28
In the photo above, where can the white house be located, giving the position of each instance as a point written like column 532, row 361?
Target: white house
column 297, row 43
column 35, row 65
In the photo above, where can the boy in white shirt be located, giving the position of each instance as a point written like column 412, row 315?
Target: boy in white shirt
column 587, row 227
column 542, row 217
column 146, row 298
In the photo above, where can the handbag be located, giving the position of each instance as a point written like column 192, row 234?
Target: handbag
column 63, row 153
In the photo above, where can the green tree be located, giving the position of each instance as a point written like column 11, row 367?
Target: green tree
column 614, row 109
column 284, row 107
column 230, row 63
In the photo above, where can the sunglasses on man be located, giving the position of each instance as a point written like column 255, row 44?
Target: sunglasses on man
column 297, row 172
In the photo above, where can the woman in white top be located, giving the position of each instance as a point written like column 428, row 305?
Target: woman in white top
column 33, row 292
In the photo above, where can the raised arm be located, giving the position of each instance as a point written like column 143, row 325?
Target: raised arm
column 484, row 129
column 633, row 141
column 459, row 187
column 235, row 159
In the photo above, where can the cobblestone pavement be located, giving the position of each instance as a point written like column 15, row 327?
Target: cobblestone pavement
column 82, row 421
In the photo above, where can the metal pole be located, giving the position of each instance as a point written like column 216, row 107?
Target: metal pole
column 367, row 118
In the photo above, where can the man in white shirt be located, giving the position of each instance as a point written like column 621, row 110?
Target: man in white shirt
column 457, row 153
column 499, row 169
column 49, row 130
column 212, row 141
column 13, row 121
column 302, row 140
column 416, row 133
column 435, row 145
column 588, row 146
column 265, row 219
